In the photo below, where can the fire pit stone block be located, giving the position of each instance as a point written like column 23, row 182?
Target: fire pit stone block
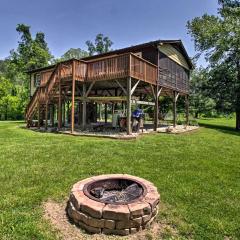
column 92, row 208
column 109, row 224
column 138, row 209
column 122, row 232
column 99, row 216
column 116, row 212
column 94, row 222
column 136, row 222
column 89, row 228
column 152, row 199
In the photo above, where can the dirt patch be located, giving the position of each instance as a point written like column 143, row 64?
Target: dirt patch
column 55, row 213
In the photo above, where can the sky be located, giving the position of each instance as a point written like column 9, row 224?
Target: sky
column 68, row 24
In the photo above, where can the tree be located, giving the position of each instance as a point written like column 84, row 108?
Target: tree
column 76, row 53
column 200, row 100
column 30, row 54
column 11, row 105
column 3, row 66
column 218, row 37
column 102, row 45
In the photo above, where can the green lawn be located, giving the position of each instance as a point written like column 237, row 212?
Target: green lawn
column 197, row 174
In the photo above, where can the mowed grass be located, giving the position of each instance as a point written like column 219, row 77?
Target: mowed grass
column 197, row 175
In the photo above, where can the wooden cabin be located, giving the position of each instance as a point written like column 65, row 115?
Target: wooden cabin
column 126, row 76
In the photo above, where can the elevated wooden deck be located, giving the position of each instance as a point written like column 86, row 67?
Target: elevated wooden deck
column 123, row 77
column 108, row 68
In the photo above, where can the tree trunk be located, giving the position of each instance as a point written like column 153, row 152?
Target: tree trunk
column 196, row 115
column 238, row 98
column 6, row 112
column 238, row 120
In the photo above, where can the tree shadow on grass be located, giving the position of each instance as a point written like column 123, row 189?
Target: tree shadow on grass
column 221, row 128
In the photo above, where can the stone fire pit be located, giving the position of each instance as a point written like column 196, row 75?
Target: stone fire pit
column 117, row 204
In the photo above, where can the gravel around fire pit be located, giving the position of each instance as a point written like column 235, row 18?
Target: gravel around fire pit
column 117, row 204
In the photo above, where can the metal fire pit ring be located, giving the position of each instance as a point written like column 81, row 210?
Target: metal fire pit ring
column 97, row 216
column 87, row 186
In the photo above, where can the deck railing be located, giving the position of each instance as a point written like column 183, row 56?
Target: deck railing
column 142, row 69
column 42, row 94
column 108, row 68
column 113, row 67
column 45, row 76
column 80, row 70
column 32, row 104
column 122, row 66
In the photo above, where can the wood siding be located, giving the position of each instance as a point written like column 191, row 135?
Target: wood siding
column 173, row 54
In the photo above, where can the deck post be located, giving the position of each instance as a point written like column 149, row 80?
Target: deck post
column 52, row 115
column 60, row 106
column 156, row 110
column 68, row 112
column 46, row 116
column 39, row 115
column 59, row 99
column 64, row 114
column 187, row 109
column 129, row 112
column 174, row 108
column 113, row 109
column 105, row 112
column 73, row 96
column 84, row 107
column 79, row 113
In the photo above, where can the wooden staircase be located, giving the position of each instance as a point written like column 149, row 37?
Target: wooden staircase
column 43, row 95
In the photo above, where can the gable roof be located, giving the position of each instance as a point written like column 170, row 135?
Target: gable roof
column 178, row 43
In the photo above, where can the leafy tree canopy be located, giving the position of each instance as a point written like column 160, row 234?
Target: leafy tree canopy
column 12, row 100
column 102, row 45
column 218, row 37
column 76, row 53
column 200, row 100
column 30, row 54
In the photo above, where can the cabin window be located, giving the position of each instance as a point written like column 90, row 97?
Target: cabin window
column 37, row 80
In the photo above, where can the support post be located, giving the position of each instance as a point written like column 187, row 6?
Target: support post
column 52, row 115
column 156, row 110
column 129, row 112
column 68, row 112
column 59, row 102
column 64, row 114
column 39, row 115
column 113, row 108
column 73, row 96
column 60, row 105
column 187, row 109
column 46, row 116
column 105, row 112
column 79, row 113
column 84, row 107
column 174, row 108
